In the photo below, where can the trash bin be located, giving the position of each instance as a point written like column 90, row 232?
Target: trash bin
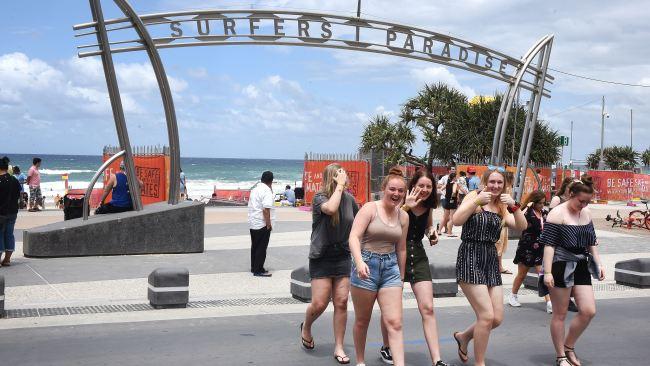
column 73, row 206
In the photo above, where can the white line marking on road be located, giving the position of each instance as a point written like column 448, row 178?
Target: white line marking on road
column 47, row 282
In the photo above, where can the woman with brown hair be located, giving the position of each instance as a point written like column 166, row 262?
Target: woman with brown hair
column 378, row 247
column 562, row 195
column 333, row 211
column 420, row 201
column 482, row 215
column 529, row 251
column 571, row 258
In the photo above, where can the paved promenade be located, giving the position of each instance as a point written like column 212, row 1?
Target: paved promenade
column 100, row 304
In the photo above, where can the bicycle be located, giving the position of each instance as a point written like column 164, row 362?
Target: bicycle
column 640, row 218
column 619, row 221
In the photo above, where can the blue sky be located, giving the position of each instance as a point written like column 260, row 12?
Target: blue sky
column 280, row 102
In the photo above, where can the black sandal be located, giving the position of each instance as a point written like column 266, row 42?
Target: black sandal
column 308, row 345
column 342, row 359
column 568, row 349
column 461, row 355
column 559, row 360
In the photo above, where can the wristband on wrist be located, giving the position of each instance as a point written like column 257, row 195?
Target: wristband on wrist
column 476, row 202
column 514, row 207
column 405, row 208
column 548, row 273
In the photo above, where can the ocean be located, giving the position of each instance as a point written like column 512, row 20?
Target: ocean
column 203, row 174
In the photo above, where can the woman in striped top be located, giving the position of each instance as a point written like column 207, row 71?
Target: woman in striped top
column 482, row 215
column 570, row 260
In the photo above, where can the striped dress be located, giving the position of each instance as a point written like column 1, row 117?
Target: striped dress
column 477, row 262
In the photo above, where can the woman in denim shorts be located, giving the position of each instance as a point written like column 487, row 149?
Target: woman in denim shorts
column 378, row 247
column 420, row 201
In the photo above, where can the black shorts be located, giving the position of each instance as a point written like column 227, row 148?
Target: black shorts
column 581, row 276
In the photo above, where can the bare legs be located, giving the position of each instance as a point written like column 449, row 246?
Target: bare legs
column 390, row 304
column 450, row 222
column 424, row 295
column 321, row 289
column 446, row 219
column 584, row 297
column 522, row 272
column 487, row 303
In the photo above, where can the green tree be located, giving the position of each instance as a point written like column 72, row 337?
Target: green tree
column 645, row 157
column 395, row 139
column 454, row 130
column 615, row 157
column 429, row 112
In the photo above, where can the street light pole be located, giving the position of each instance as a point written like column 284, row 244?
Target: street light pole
column 601, row 164
column 571, row 146
column 631, row 146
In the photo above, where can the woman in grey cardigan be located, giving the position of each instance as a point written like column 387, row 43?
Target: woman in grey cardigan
column 333, row 211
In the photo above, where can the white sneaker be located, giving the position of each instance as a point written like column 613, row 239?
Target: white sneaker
column 549, row 307
column 513, row 300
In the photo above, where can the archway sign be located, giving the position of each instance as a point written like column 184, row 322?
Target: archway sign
column 292, row 28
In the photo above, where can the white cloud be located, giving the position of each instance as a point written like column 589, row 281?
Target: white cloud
column 436, row 74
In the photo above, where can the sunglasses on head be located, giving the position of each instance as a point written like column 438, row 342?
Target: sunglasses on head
column 497, row 168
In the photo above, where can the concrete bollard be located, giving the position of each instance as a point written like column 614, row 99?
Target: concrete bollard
column 169, row 287
column 634, row 272
column 2, row 296
column 532, row 279
column 301, row 284
column 443, row 279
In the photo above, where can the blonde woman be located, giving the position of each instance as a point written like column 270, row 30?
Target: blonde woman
column 477, row 269
column 378, row 246
column 333, row 211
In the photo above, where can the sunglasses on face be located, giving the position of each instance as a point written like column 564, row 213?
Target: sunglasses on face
column 497, row 168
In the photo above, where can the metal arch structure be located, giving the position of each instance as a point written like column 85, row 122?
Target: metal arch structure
column 310, row 29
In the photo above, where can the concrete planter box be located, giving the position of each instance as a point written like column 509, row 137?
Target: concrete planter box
column 634, row 272
column 159, row 228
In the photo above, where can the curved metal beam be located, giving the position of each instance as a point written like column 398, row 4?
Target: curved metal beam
column 116, row 102
column 99, row 172
column 528, row 59
column 166, row 94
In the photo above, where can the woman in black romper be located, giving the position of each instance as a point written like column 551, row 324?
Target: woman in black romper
column 482, row 215
column 570, row 260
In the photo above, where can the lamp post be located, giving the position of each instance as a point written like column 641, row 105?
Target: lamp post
column 601, row 163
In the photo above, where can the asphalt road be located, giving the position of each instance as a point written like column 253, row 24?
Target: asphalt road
column 617, row 336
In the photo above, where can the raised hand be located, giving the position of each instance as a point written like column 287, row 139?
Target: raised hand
column 483, row 198
column 412, row 199
column 341, row 177
column 507, row 199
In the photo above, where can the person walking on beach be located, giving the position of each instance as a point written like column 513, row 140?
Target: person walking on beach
column 482, row 215
column 261, row 215
column 561, row 197
column 442, row 186
column 333, row 211
column 450, row 203
column 22, row 179
column 529, row 251
column 183, row 185
column 571, row 258
column 420, row 201
column 9, row 193
column 378, row 247
column 121, row 201
column 34, row 183
column 474, row 181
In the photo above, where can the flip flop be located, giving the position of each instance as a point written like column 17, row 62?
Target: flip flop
column 8, row 264
column 308, row 345
column 461, row 355
column 506, row 271
column 343, row 360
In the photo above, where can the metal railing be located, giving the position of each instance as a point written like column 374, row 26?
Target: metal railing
column 99, row 172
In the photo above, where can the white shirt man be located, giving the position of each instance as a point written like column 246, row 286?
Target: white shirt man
column 261, row 215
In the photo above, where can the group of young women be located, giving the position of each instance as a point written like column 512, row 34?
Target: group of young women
column 370, row 252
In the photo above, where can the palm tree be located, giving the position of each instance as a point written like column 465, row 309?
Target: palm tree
column 645, row 157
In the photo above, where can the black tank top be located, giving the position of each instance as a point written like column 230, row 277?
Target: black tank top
column 417, row 226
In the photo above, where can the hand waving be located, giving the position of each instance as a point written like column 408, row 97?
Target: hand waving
column 412, row 199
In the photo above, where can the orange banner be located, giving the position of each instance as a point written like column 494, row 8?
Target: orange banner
column 152, row 171
column 616, row 185
column 358, row 176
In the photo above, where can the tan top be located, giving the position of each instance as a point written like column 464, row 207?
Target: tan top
column 381, row 237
